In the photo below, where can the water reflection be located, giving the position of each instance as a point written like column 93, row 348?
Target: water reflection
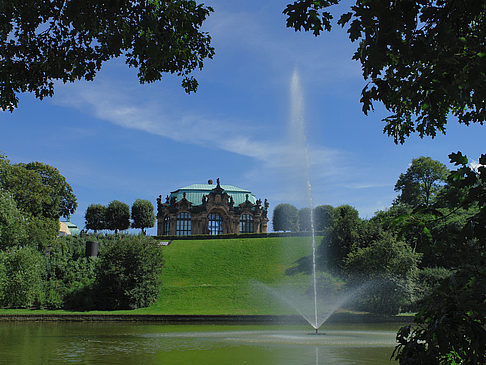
column 150, row 344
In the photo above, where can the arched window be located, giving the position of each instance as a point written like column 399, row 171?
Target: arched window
column 183, row 227
column 215, row 224
column 246, row 223
column 166, row 225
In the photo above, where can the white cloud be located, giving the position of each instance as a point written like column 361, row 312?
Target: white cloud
column 112, row 103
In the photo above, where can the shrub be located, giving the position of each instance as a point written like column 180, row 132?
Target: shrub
column 21, row 277
column 67, row 272
column 387, row 268
column 428, row 279
column 128, row 273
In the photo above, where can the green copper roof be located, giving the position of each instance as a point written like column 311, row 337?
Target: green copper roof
column 195, row 192
column 73, row 229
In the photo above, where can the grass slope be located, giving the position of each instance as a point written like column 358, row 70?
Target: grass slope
column 218, row 276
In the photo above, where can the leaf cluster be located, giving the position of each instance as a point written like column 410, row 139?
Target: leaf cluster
column 421, row 182
column 450, row 324
column 285, row 218
column 68, row 40
column 116, row 216
column 424, row 60
column 128, row 273
column 143, row 214
column 38, row 189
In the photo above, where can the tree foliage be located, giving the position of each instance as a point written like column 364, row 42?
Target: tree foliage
column 285, row 218
column 26, row 189
column 128, row 273
column 388, row 267
column 63, row 199
column 117, row 216
column 419, row 185
column 343, row 235
column 38, row 189
column 143, row 214
column 68, row 40
column 41, row 232
column 12, row 226
column 451, row 323
column 94, row 217
column 21, row 271
column 323, row 217
column 423, row 60
column 305, row 220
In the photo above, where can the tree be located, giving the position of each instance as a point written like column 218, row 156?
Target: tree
column 305, row 220
column 343, row 235
column 95, row 217
column 70, row 40
column 12, row 225
column 323, row 217
column 63, row 199
column 387, row 266
column 423, row 60
column 26, row 189
column 41, row 232
column 143, row 214
column 117, row 216
column 128, row 273
column 450, row 324
column 285, row 218
column 38, row 189
column 421, row 182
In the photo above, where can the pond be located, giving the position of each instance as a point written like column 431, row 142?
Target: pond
column 125, row 343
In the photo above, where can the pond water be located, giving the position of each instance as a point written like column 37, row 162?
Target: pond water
column 151, row 343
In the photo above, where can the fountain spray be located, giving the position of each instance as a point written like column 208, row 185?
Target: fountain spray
column 297, row 121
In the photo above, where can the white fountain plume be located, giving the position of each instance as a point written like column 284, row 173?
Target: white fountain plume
column 297, row 127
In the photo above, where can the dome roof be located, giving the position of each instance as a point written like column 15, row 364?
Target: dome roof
column 195, row 192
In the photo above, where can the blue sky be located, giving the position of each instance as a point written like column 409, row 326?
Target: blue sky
column 116, row 139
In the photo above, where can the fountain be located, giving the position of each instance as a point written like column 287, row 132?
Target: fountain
column 322, row 306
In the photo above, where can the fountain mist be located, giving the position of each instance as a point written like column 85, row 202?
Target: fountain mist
column 322, row 304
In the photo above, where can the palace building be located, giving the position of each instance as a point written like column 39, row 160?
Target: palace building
column 211, row 209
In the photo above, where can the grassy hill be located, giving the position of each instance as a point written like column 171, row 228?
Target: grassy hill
column 218, row 276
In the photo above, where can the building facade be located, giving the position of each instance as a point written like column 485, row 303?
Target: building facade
column 211, row 209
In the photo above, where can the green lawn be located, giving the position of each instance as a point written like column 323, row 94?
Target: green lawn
column 220, row 277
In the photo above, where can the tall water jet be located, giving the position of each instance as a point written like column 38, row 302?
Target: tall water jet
column 297, row 126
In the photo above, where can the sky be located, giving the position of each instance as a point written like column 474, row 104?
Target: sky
column 114, row 139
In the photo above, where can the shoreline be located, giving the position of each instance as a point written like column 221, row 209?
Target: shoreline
column 218, row 318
